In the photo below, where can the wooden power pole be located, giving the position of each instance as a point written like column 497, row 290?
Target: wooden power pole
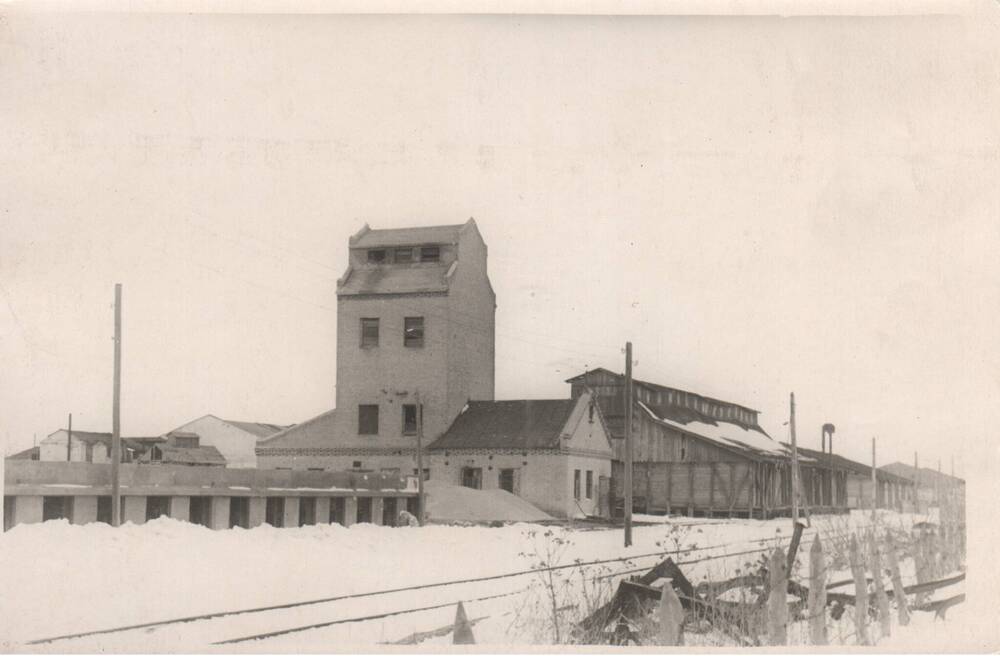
column 628, row 444
column 874, row 486
column 116, row 446
column 421, row 500
column 795, row 461
column 69, row 440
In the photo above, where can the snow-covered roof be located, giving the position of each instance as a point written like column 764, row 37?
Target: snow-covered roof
column 726, row 434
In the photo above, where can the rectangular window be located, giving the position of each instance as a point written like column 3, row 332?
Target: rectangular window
column 367, row 420
column 507, row 480
column 427, row 473
column 376, row 256
column 409, row 419
column 576, row 483
column 369, row 333
column 274, row 511
column 413, row 331
column 430, row 254
column 403, row 255
column 472, row 477
column 590, row 484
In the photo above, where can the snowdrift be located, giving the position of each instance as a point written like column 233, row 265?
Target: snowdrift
column 454, row 503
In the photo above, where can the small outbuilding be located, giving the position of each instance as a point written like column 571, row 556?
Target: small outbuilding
column 556, row 454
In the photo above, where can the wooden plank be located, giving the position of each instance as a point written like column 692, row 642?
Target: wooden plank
column 711, row 486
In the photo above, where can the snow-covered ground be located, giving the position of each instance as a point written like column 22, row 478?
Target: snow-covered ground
column 58, row 579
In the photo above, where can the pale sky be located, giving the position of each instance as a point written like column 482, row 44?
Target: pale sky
column 761, row 205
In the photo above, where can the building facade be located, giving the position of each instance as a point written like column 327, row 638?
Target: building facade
column 235, row 440
column 415, row 327
column 555, row 454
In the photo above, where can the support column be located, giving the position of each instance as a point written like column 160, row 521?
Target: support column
column 84, row 510
column 134, row 509
column 28, row 509
column 180, row 508
column 291, row 512
column 219, row 518
column 322, row 510
column 350, row 511
column 257, row 511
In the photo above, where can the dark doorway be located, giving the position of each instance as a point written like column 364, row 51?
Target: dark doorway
column 201, row 511
column 507, row 480
column 364, row 510
column 307, row 511
column 157, row 507
column 274, row 514
column 389, row 511
column 8, row 512
column 239, row 512
column 104, row 509
column 413, row 506
column 472, row 477
column 56, row 508
column 337, row 510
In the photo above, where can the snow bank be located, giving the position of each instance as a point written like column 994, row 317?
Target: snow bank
column 454, row 503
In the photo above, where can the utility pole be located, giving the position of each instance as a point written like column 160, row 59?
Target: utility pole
column 874, row 486
column 420, row 460
column 69, row 440
column 116, row 447
column 795, row 461
column 628, row 444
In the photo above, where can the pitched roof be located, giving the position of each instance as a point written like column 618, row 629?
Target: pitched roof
column 90, row 437
column 924, row 474
column 839, row 461
column 27, row 454
column 443, row 234
column 527, row 424
column 753, row 441
column 261, row 430
column 200, row 455
column 397, row 279
column 315, row 432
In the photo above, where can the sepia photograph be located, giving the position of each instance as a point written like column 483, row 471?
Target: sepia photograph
column 552, row 326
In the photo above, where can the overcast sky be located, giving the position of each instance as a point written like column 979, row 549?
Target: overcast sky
column 761, row 205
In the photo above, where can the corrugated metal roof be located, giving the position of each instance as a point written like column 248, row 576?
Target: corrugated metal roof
column 395, row 279
column 527, row 424
column 443, row 234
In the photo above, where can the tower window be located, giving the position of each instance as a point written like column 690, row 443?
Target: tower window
column 367, row 420
column 413, row 331
column 376, row 256
column 409, row 419
column 403, row 255
column 369, row 333
column 430, row 254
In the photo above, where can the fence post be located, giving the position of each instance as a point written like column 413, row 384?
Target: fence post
column 671, row 617
column 860, row 593
column 817, row 593
column 921, row 561
column 777, row 600
column 462, row 634
column 881, row 598
column 898, row 591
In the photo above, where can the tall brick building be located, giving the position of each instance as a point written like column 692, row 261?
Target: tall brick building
column 415, row 320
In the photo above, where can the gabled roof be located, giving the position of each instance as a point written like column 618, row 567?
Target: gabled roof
column 200, row 455
column 90, row 437
column 261, row 430
column 315, row 432
column 525, row 424
column 27, row 454
column 442, row 234
column 397, row 279
column 840, row 462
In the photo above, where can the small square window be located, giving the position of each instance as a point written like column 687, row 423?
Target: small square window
column 413, row 331
column 369, row 333
column 404, row 255
column 367, row 420
column 356, row 464
column 430, row 254
column 376, row 257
